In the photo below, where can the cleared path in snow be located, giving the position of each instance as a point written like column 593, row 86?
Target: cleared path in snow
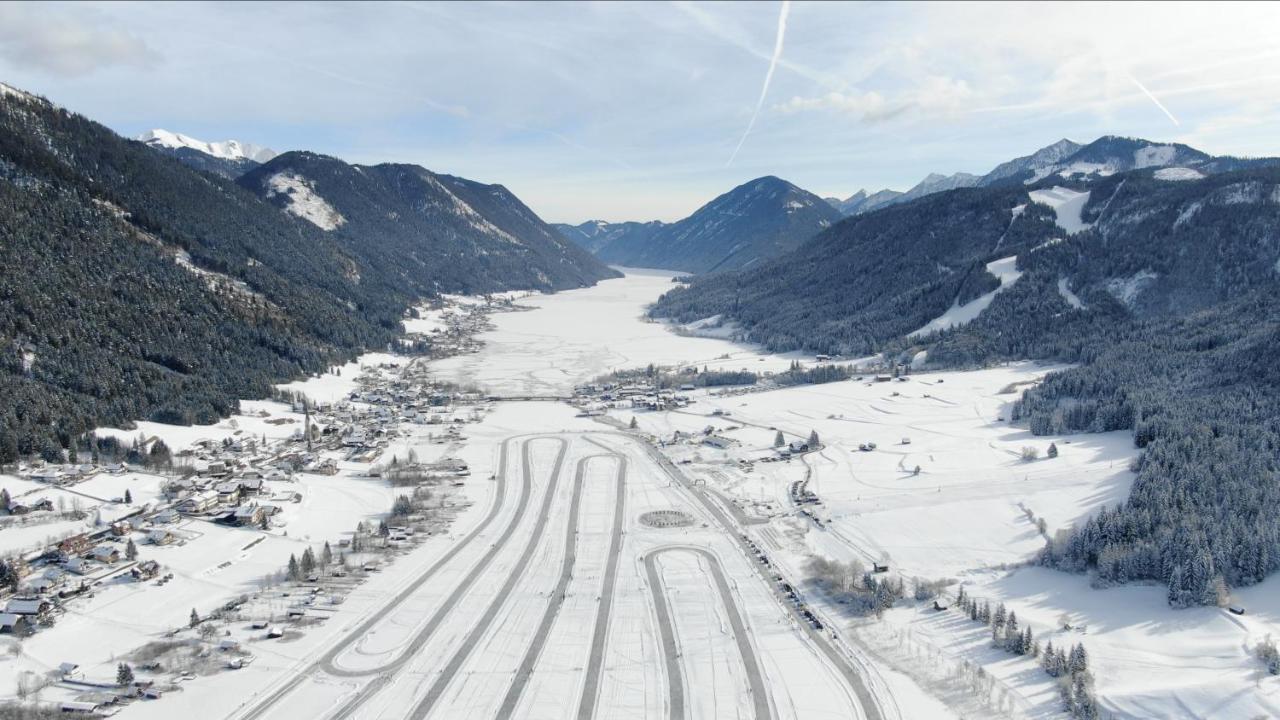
column 671, row 650
column 326, row 661
column 441, row 683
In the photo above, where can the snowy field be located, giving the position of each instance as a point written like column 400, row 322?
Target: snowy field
column 967, row 515
column 574, row 336
column 548, row 597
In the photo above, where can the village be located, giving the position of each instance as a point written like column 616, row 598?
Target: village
column 74, row 534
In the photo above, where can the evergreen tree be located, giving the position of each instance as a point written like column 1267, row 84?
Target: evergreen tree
column 326, row 554
column 124, row 674
column 308, row 563
column 195, row 618
column 813, row 440
column 779, row 440
column 131, row 550
column 633, row 424
column 1053, row 450
column 294, row 572
column 128, row 497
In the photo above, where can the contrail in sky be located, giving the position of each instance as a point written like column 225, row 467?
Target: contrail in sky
column 768, row 77
column 1153, row 98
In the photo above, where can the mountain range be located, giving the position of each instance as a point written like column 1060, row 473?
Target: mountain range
column 230, row 158
column 755, row 221
column 1151, row 270
column 136, row 286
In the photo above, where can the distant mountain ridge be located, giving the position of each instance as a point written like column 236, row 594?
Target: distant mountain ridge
column 1105, row 156
column 755, row 221
column 229, row 158
column 433, row 232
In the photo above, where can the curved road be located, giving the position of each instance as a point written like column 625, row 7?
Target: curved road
column 441, row 683
column 512, row 699
column 326, row 661
column 675, row 673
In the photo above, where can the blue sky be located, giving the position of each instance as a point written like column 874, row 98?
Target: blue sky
column 624, row 111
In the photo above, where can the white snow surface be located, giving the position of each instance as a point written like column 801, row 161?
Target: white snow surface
column 1127, row 289
column 1064, row 289
column 1178, row 173
column 1153, row 156
column 304, row 202
column 1005, row 269
column 227, row 149
column 1067, row 205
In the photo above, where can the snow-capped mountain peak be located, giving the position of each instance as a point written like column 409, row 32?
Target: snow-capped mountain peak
column 227, row 150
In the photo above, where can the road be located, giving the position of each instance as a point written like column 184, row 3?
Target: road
column 671, row 650
column 441, row 683
column 325, row 662
column 437, row 678
column 867, row 701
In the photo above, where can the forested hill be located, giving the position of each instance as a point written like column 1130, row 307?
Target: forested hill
column 133, row 286
column 751, row 223
column 430, row 232
column 1164, row 292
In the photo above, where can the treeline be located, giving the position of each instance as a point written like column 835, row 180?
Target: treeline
column 1175, row 341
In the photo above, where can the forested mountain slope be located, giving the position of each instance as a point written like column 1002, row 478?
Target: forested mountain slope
column 430, row 232
column 133, row 286
column 1165, row 293
column 755, row 221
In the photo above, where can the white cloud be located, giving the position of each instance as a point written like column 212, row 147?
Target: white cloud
column 64, row 41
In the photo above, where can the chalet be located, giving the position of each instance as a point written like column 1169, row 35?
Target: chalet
column 252, row 485
column 47, row 475
column 145, row 570
column 228, row 492
column 217, row 469
column 78, row 565
column 105, row 554
column 878, row 568
column 249, row 515
column 80, row 707
column 14, row 623
column 161, row 537
column 29, row 607
column 798, row 446
column 18, row 508
column 164, row 517
column 121, row 528
column 75, row 545
column 203, row 502
column 822, row 358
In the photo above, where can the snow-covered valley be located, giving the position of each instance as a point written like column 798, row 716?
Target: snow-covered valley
column 547, row 589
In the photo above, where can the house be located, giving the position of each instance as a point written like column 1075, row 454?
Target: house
column 145, row 570
column 161, row 537
column 119, row 529
column 798, row 446
column 14, row 623
column 18, row 508
column 251, row 485
column 69, row 670
column 78, row 565
column 47, row 475
column 719, row 441
column 74, row 545
column 80, row 707
column 30, row 607
column 249, row 515
column 105, row 554
column 164, row 517
column 228, row 492
column 940, row 604
column 202, row 502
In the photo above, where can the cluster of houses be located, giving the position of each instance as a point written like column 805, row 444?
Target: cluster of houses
column 634, row 396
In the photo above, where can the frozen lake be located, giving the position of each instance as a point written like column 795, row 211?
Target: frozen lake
column 574, row 336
